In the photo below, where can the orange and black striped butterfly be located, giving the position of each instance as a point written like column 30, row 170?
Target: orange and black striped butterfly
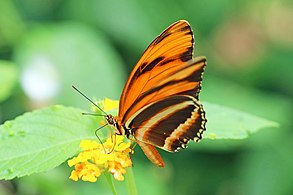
column 159, row 105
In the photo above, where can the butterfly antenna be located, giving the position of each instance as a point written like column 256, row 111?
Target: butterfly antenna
column 92, row 114
column 89, row 100
column 96, row 133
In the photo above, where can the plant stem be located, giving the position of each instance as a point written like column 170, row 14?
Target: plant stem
column 130, row 183
column 110, row 182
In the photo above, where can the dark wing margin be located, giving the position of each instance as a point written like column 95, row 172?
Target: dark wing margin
column 169, row 123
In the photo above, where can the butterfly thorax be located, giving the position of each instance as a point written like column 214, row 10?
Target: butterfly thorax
column 116, row 123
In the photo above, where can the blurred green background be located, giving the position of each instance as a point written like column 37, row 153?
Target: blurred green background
column 46, row 46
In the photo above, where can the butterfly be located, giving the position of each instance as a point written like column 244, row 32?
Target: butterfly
column 159, row 104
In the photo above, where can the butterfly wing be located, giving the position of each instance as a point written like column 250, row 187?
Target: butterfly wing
column 159, row 103
column 173, row 46
column 152, row 154
column 171, row 121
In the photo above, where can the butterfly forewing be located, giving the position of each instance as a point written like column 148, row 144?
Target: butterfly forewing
column 173, row 46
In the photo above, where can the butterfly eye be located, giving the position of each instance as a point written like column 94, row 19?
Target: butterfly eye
column 110, row 119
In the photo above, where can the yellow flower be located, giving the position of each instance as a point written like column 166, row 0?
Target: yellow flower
column 110, row 104
column 106, row 104
column 96, row 158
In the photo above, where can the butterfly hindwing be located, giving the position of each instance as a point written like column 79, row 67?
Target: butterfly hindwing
column 169, row 123
column 152, row 154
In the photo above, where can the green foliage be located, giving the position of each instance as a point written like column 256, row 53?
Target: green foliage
column 8, row 78
column 41, row 140
column 93, row 44
column 64, row 51
column 261, row 103
column 130, row 182
column 29, row 144
column 227, row 123
column 11, row 24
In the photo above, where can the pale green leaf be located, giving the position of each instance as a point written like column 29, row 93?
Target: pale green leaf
column 228, row 123
column 41, row 140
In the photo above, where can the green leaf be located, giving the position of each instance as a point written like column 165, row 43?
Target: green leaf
column 260, row 103
column 228, row 123
column 8, row 78
column 41, row 140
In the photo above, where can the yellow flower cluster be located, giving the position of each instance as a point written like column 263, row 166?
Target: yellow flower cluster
column 110, row 104
column 106, row 104
column 96, row 159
